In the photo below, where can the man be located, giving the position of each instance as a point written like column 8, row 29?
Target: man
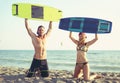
column 39, row 61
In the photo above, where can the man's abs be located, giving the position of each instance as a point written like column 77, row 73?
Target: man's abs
column 40, row 55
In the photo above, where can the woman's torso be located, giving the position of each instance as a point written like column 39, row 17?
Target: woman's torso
column 81, row 53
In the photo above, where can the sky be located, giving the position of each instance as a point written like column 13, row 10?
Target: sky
column 13, row 35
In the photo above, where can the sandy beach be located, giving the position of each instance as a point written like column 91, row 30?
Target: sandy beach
column 17, row 75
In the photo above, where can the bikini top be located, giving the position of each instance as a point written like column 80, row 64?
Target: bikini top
column 82, row 48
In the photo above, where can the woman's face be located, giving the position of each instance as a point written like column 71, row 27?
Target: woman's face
column 82, row 36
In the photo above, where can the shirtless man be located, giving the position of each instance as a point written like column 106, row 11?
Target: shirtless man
column 82, row 65
column 39, row 61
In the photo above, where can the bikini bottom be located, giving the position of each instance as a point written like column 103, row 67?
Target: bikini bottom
column 81, row 64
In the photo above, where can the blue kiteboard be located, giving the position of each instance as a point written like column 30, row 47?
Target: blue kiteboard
column 85, row 24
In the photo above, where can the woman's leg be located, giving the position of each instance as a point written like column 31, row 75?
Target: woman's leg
column 95, row 76
column 80, row 73
column 86, row 72
column 77, row 71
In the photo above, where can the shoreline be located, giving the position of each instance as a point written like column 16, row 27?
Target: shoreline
column 17, row 75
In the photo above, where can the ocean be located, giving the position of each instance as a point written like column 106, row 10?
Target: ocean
column 99, row 60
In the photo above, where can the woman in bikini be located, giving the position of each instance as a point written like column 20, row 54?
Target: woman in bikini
column 82, row 66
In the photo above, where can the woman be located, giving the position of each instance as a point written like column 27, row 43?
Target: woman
column 82, row 66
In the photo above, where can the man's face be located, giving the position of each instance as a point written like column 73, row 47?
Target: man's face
column 41, row 31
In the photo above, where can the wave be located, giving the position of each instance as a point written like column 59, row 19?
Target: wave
column 14, row 60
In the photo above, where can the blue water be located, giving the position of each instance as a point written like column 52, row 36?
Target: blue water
column 99, row 60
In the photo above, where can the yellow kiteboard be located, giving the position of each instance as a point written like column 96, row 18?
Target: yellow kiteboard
column 36, row 12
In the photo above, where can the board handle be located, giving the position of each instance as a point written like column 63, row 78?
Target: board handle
column 14, row 9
